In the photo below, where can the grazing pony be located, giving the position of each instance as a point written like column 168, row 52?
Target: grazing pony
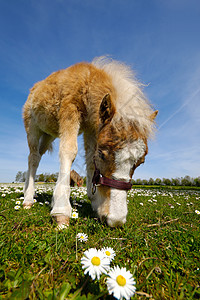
column 75, row 178
column 105, row 102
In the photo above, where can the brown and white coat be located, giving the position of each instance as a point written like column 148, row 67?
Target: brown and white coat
column 105, row 102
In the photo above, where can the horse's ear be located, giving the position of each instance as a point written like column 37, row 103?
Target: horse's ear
column 153, row 115
column 106, row 110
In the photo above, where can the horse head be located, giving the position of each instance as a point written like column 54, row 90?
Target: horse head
column 121, row 148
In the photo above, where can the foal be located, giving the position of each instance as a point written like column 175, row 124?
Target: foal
column 103, row 101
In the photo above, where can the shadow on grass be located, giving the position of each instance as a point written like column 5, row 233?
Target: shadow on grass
column 84, row 209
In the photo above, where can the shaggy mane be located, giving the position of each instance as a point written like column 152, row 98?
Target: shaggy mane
column 131, row 103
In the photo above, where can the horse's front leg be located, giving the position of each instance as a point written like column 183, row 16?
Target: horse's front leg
column 61, row 209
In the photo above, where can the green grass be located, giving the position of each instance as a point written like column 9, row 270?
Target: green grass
column 159, row 245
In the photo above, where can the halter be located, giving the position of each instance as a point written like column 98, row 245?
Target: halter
column 99, row 179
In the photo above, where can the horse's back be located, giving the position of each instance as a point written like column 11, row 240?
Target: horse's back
column 45, row 99
column 80, row 87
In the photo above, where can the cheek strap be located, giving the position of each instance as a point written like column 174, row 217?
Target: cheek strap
column 99, row 179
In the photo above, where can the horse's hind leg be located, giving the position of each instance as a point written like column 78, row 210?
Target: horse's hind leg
column 39, row 142
column 33, row 138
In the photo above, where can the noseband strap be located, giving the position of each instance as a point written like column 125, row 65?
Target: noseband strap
column 100, row 179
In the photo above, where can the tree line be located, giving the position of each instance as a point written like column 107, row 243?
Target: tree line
column 44, row 177
column 182, row 181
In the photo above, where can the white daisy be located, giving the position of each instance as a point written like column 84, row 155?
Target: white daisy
column 109, row 253
column 18, row 202
column 197, row 212
column 74, row 215
column 17, row 207
column 82, row 237
column 120, row 283
column 95, row 263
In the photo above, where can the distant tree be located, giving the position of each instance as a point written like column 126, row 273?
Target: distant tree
column 166, row 181
column 138, row 181
column 20, row 176
column 151, row 181
column 158, row 181
column 197, row 181
column 54, row 177
column 144, row 182
column 175, row 181
column 133, row 181
column 24, row 176
column 41, row 177
column 186, row 181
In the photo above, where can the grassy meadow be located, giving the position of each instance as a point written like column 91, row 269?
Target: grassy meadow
column 159, row 245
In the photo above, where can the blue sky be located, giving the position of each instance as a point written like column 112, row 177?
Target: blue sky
column 158, row 39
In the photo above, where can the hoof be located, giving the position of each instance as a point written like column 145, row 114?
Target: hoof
column 62, row 227
column 27, row 206
column 62, row 222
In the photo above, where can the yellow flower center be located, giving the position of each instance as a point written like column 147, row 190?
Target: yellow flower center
column 82, row 237
column 95, row 261
column 121, row 280
column 107, row 253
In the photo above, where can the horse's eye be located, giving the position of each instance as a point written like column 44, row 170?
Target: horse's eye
column 101, row 154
